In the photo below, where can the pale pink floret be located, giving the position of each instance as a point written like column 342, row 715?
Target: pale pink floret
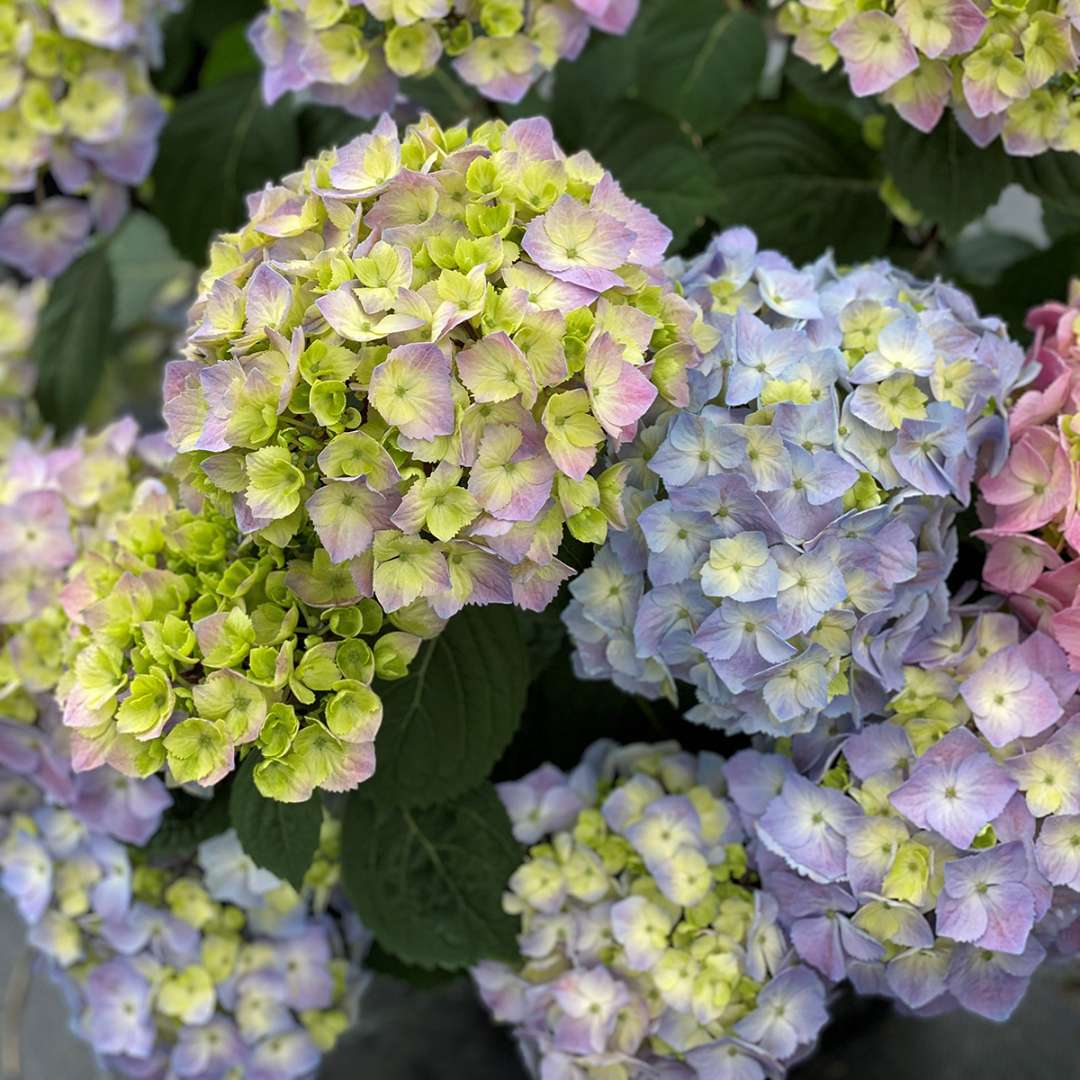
column 875, row 50
column 1034, row 485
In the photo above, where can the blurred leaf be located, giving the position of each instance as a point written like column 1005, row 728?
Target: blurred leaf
column 446, row 723
column 143, row 262
column 188, row 822
column 981, row 259
column 658, row 165
column 1034, row 280
column 325, row 126
column 446, row 97
column 229, row 55
column 543, row 635
column 210, row 17
column 604, row 74
column 72, row 339
column 386, row 963
column 793, row 185
column 699, row 61
column 944, row 174
column 219, row 144
column 429, row 883
column 179, row 48
column 1054, row 178
column 281, row 837
column 830, row 88
column 1060, row 223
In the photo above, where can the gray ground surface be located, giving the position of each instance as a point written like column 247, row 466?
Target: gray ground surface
column 441, row 1034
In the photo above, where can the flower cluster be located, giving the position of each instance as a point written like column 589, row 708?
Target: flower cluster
column 197, row 971
column 352, row 54
column 1030, row 508
column 171, row 640
column 76, row 104
column 1008, row 69
column 19, row 310
column 938, row 856
column 646, row 949
column 413, row 352
column 793, row 526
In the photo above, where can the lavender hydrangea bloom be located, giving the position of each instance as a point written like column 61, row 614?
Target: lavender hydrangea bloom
column 501, row 50
column 605, row 897
column 950, row 861
column 174, row 971
column 800, row 494
column 78, row 108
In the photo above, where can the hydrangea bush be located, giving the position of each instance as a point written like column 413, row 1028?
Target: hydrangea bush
column 647, row 947
column 205, row 970
column 934, row 857
column 76, row 107
column 352, row 55
column 793, row 525
column 1030, row 507
column 406, row 363
column 1005, row 69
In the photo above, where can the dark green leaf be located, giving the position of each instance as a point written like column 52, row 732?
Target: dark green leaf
column 799, row 189
column 428, row 883
column 699, row 61
column 447, row 722
column 980, row 260
column 446, row 97
column 603, row 74
column 386, row 963
column 143, row 262
column 72, row 339
column 188, row 822
column 179, row 47
column 543, row 634
column 229, row 55
column 219, row 144
column 829, row 88
column 944, row 174
column 282, row 837
column 658, row 165
column 210, row 17
column 1054, row 178
column 1040, row 277
column 324, row 126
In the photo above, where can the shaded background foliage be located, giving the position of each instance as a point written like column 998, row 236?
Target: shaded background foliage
column 707, row 123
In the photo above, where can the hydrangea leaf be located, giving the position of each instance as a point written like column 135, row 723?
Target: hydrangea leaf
column 282, row 837
column 428, row 883
column 791, row 182
column 188, row 822
column 72, row 338
column 219, row 143
column 944, row 174
column 450, row 719
column 701, row 61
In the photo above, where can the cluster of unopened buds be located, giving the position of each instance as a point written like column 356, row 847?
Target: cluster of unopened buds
column 352, row 55
column 76, row 107
column 412, row 355
column 792, row 525
column 1030, row 508
column 1008, row 69
column 933, row 856
column 647, row 948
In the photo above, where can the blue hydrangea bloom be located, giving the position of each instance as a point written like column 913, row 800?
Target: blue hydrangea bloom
column 792, row 519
